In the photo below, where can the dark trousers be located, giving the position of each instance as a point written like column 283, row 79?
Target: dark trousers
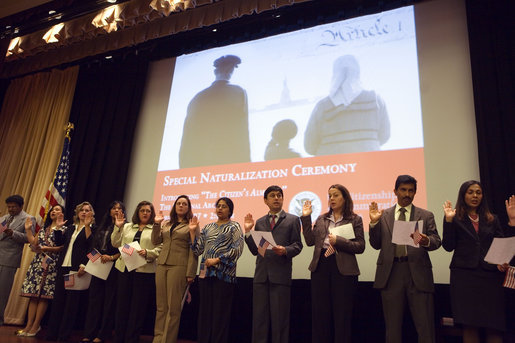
column 101, row 306
column 6, row 277
column 65, row 307
column 270, row 312
column 400, row 288
column 332, row 299
column 136, row 295
column 214, row 315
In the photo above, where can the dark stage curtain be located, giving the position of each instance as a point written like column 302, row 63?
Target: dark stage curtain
column 105, row 110
column 492, row 57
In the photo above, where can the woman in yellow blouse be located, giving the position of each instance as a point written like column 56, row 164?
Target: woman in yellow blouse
column 176, row 268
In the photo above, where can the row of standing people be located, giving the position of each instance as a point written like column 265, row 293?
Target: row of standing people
column 403, row 272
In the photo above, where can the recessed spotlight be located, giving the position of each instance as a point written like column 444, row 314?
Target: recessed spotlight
column 277, row 16
column 8, row 27
column 214, row 30
column 52, row 12
column 111, row 1
column 58, row 17
column 108, row 57
column 16, row 30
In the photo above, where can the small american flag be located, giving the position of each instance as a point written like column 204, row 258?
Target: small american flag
column 127, row 249
column 202, row 273
column 3, row 226
column 69, row 280
column 329, row 251
column 46, row 261
column 93, row 255
column 417, row 237
column 263, row 245
column 509, row 280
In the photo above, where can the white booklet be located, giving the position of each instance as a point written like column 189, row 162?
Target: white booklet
column 402, row 231
column 501, row 250
column 99, row 269
column 345, row 231
column 130, row 256
column 72, row 281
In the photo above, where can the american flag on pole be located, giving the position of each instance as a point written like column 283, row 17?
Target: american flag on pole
column 509, row 279
column 94, row 255
column 127, row 249
column 46, row 261
column 262, row 246
column 56, row 193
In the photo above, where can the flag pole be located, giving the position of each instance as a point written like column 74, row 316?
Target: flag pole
column 43, row 212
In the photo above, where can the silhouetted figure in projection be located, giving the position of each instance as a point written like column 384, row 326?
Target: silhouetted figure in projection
column 279, row 145
column 217, row 119
column 350, row 119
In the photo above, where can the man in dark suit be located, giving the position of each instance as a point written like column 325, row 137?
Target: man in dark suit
column 12, row 240
column 405, row 272
column 272, row 278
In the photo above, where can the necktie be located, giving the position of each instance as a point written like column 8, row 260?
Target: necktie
column 272, row 222
column 402, row 214
column 400, row 249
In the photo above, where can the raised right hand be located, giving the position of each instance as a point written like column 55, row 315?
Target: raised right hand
column 248, row 222
column 120, row 219
column 510, row 210
column 28, row 224
column 307, row 208
column 374, row 213
column 159, row 218
column 449, row 211
column 60, row 222
column 194, row 224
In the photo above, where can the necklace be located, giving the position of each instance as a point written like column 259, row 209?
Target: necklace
column 475, row 218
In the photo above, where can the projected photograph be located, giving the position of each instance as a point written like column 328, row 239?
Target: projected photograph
column 336, row 103
column 345, row 87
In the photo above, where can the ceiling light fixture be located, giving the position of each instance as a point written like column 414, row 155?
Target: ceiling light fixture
column 52, row 12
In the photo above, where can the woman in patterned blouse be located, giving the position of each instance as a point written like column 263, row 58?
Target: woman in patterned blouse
column 220, row 244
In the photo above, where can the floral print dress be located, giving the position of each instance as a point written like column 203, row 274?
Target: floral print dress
column 41, row 275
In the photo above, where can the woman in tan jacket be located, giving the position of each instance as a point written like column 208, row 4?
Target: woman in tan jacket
column 176, row 268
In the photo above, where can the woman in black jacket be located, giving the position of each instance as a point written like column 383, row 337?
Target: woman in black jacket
column 102, row 293
column 477, row 296
column 73, row 258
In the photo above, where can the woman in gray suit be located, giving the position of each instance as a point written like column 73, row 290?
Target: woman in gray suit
column 334, row 268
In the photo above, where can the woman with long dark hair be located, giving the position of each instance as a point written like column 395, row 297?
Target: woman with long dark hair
column 220, row 244
column 334, row 268
column 102, row 293
column 176, row 268
column 39, row 284
column 477, row 295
